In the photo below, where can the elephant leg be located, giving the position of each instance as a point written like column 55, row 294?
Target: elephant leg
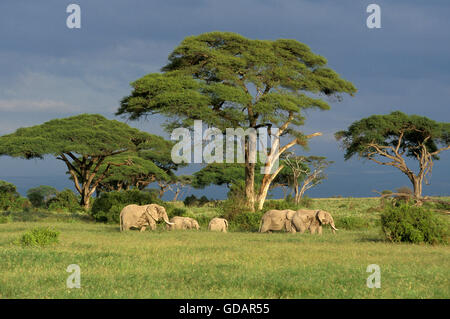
column 152, row 225
column 319, row 230
column 264, row 228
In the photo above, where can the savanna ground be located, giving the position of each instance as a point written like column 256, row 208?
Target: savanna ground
column 202, row 264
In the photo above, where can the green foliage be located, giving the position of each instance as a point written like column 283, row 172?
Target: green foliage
column 39, row 196
column 178, row 211
column 218, row 174
column 40, row 236
column 385, row 130
column 10, row 198
column 85, row 134
column 66, row 200
column 352, row 222
column 278, row 204
column 413, row 224
column 194, row 201
column 306, row 201
column 245, row 221
column 5, row 219
column 108, row 206
column 207, row 78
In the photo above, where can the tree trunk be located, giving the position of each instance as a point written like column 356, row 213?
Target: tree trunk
column 85, row 197
column 250, row 186
column 265, row 185
column 417, row 183
column 176, row 195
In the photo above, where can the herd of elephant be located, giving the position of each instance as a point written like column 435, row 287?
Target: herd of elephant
column 141, row 217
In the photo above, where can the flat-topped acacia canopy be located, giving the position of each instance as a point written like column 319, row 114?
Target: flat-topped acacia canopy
column 84, row 142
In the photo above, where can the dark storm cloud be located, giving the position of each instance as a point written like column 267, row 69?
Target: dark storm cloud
column 50, row 71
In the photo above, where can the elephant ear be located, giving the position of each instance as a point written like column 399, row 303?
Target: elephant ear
column 321, row 216
column 290, row 214
column 226, row 222
column 152, row 211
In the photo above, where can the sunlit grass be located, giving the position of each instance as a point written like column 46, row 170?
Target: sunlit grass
column 201, row 264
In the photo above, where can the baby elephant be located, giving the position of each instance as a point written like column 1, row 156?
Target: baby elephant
column 183, row 223
column 218, row 224
column 312, row 220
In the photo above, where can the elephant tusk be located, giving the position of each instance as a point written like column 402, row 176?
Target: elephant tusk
column 334, row 227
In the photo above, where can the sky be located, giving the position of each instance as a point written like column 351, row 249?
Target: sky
column 49, row 71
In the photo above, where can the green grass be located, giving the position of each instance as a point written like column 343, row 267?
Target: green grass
column 201, row 264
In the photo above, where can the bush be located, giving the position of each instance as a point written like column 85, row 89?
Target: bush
column 177, row 212
column 279, row 204
column 65, row 200
column 5, row 219
column 306, row 201
column 194, row 201
column 39, row 237
column 39, row 196
column 413, row 224
column 190, row 201
column 108, row 206
column 245, row 221
column 10, row 198
column 352, row 222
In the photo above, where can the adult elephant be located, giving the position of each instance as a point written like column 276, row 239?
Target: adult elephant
column 312, row 220
column 179, row 222
column 218, row 224
column 276, row 220
column 136, row 216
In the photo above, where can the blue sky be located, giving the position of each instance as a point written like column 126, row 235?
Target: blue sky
column 48, row 70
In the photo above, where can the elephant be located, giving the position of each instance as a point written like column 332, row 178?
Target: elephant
column 277, row 220
column 135, row 216
column 312, row 220
column 179, row 222
column 218, row 224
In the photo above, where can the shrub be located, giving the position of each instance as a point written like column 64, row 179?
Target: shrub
column 245, row 221
column 39, row 237
column 194, row 201
column 413, row 224
column 108, row 206
column 190, row 201
column 306, row 201
column 177, row 212
column 5, row 219
column 10, row 198
column 279, row 204
column 65, row 200
column 352, row 222
column 39, row 196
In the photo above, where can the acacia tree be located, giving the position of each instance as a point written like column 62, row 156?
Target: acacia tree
column 180, row 185
column 309, row 171
column 84, row 143
column 390, row 139
column 139, row 174
column 229, row 81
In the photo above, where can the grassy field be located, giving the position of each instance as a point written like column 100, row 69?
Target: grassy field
column 201, row 264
